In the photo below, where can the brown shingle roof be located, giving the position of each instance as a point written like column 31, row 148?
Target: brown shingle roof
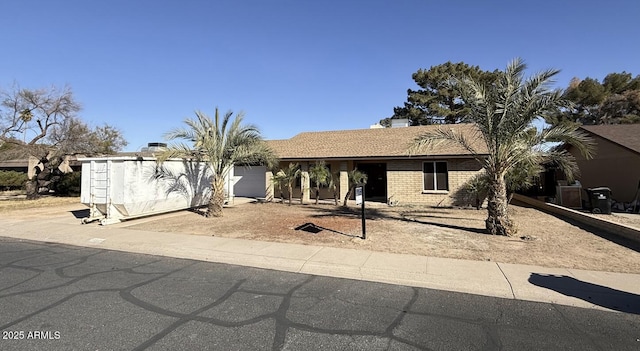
column 626, row 135
column 370, row 143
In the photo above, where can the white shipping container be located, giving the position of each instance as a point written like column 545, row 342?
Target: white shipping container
column 120, row 188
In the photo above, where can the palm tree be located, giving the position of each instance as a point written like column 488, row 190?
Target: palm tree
column 222, row 143
column 503, row 113
column 334, row 181
column 356, row 177
column 518, row 178
column 320, row 176
column 278, row 182
column 287, row 176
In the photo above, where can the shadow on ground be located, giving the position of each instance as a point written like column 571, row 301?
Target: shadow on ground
column 81, row 213
column 442, row 225
column 622, row 241
column 420, row 217
column 315, row 229
column 613, row 299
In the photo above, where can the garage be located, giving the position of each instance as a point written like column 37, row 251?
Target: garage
column 251, row 181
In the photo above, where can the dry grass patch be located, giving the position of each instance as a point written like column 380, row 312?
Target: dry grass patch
column 45, row 202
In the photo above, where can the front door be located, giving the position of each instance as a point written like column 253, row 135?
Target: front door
column 376, row 187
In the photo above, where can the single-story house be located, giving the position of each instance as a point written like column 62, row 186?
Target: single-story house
column 616, row 163
column 433, row 177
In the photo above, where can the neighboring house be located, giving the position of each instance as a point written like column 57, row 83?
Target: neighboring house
column 16, row 165
column 435, row 177
column 29, row 164
column 616, row 163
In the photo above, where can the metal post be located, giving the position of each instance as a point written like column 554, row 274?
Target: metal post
column 360, row 201
column 364, row 227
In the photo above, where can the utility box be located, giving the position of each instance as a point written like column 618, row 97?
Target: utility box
column 120, row 188
column 569, row 196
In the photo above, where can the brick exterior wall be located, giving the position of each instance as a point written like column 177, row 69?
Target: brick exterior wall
column 405, row 182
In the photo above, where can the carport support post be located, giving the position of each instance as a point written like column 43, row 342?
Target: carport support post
column 305, row 184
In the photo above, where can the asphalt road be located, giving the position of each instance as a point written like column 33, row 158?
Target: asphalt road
column 56, row 297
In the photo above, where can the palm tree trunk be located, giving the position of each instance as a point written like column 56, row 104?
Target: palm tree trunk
column 498, row 221
column 317, row 195
column 290, row 188
column 346, row 198
column 216, row 202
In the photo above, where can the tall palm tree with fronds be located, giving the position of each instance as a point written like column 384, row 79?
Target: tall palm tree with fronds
column 503, row 112
column 222, row 142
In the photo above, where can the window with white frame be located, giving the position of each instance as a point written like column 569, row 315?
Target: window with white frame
column 436, row 176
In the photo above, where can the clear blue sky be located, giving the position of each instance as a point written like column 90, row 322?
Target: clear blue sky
column 291, row 65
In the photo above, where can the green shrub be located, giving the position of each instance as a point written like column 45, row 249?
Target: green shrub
column 69, row 184
column 12, row 180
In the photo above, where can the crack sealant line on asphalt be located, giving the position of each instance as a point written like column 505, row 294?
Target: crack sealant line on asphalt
column 507, row 279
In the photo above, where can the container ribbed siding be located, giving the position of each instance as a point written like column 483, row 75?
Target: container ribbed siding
column 119, row 188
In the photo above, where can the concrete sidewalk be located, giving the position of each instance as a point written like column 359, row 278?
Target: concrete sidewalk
column 580, row 288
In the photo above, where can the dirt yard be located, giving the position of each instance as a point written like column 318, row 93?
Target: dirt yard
column 542, row 239
column 455, row 233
